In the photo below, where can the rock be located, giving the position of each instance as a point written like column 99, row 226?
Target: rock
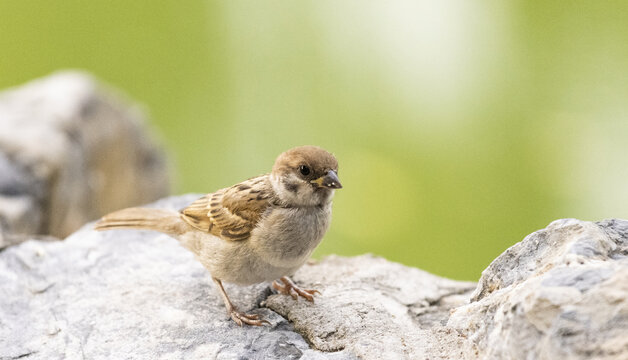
column 561, row 293
column 71, row 151
column 138, row 294
column 376, row 309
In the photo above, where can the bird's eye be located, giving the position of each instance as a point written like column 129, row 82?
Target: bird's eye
column 304, row 170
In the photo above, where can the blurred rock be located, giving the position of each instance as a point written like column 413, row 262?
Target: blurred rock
column 561, row 293
column 71, row 151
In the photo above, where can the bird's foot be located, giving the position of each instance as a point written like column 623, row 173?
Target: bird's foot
column 238, row 317
column 250, row 319
column 287, row 287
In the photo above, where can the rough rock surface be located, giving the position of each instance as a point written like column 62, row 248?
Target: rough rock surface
column 137, row 294
column 561, row 293
column 71, row 151
column 376, row 309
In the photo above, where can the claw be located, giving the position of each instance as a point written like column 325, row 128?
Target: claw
column 279, row 287
column 238, row 317
column 288, row 287
column 250, row 319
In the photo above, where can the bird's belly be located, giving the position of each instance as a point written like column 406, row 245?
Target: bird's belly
column 234, row 261
column 248, row 269
column 255, row 272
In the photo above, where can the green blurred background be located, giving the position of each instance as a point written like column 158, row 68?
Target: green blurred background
column 460, row 126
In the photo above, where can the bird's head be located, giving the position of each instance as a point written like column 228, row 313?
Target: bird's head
column 305, row 176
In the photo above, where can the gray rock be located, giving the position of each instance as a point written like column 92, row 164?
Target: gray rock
column 138, row 294
column 71, row 151
column 376, row 309
column 561, row 293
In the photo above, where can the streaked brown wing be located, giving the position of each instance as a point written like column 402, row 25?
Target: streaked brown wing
column 230, row 213
column 196, row 214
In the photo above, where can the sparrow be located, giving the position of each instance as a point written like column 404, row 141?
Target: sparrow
column 262, row 229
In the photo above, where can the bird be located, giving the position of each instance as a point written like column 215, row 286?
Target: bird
column 262, row 229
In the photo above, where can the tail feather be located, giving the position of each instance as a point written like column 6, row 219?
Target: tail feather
column 168, row 222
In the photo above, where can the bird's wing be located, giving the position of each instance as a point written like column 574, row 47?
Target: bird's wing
column 231, row 213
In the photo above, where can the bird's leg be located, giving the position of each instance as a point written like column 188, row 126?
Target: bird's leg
column 238, row 317
column 287, row 287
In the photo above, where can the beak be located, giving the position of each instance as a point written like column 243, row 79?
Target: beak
column 329, row 181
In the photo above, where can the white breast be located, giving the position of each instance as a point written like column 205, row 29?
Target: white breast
column 286, row 237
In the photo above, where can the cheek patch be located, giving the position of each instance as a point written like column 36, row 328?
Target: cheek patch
column 291, row 187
